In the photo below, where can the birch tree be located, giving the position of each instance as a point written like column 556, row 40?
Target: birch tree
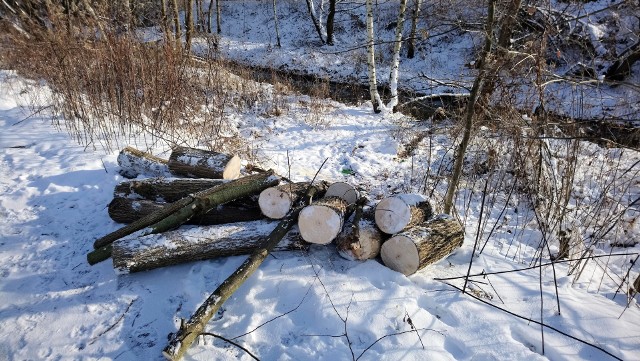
column 189, row 26
column 395, row 63
column 371, row 61
column 411, row 44
column 314, row 18
column 176, row 21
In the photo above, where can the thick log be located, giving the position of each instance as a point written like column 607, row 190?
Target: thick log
column 321, row 221
column 360, row 240
column 179, row 212
column 134, row 162
column 419, row 246
column 180, row 341
column 163, row 189
column 198, row 163
column 343, row 190
column 126, row 210
column 197, row 243
column 393, row 214
column 276, row 202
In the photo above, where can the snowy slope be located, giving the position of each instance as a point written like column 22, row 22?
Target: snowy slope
column 297, row 306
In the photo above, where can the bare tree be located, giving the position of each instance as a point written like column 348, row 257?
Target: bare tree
column 330, row 21
column 316, row 22
column 371, row 61
column 395, row 63
column 411, row 44
column 189, row 25
column 476, row 91
column 176, row 20
column 275, row 19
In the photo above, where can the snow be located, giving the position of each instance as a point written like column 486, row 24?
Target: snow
column 311, row 305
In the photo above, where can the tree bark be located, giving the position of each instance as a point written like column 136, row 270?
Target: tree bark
column 361, row 240
column 314, row 19
column 167, row 190
column 176, row 21
column 126, row 210
column 322, row 221
column 343, row 190
column 198, row 163
column 165, row 21
column 330, row 21
column 196, row 244
column 275, row 20
column 134, row 162
column 393, row 214
column 189, row 26
column 371, row 61
column 419, row 246
column 395, row 63
column 180, row 341
column 181, row 211
column 411, row 44
column 218, row 17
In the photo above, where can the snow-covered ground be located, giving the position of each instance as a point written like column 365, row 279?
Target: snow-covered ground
column 316, row 305
column 297, row 306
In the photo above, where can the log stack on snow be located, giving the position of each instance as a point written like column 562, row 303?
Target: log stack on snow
column 227, row 217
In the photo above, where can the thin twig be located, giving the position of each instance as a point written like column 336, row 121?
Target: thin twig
column 394, row 334
column 114, row 324
column 475, row 244
column 231, row 342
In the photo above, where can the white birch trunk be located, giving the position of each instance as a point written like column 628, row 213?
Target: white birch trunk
column 371, row 61
column 395, row 63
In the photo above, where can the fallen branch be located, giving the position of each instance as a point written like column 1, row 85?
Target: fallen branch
column 231, row 342
column 163, row 189
column 180, row 341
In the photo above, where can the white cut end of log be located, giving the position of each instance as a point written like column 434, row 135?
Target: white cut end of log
column 319, row 224
column 392, row 215
column 343, row 190
column 232, row 169
column 274, row 203
column 400, row 254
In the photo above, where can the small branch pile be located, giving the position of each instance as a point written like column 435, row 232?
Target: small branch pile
column 255, row 215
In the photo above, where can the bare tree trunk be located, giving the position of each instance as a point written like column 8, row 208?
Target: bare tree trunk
column 395, row 63
column 476, row 91
column 316, row 22
column 275, row 19
column 200, row 16
column 411, row 46
column 330, row 21
column 508, row 23
column 218, row 17
column 209, row 14
column 189, row 26
column 176, row 22
column 165, row 21
column 371, row 61
column 197, row 243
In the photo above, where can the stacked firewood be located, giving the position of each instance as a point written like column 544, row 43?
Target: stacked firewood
column 227, row 215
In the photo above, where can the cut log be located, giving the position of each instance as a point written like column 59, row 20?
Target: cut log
column 197, row 243
column 343, row 190
column 180, row 341
column 198, row 163
column 393, row 214
column 134, row 162
column 179, row 212
column 125, row 210
column 321, row 221
column 163, row 189
column 419, row 246
column 276, row 202
column 361, row 240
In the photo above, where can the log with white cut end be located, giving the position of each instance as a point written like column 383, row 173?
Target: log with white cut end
column 134, row 162
column 343, row 190
column 393, row 214
column 126, row 210
column 275, row 202
column 321, row 221
column 419, row 246
column 163, row 189
column 361, row 239
column 198, row 163
column 197, row 243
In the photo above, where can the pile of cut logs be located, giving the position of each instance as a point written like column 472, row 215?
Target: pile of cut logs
column 233, row 215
